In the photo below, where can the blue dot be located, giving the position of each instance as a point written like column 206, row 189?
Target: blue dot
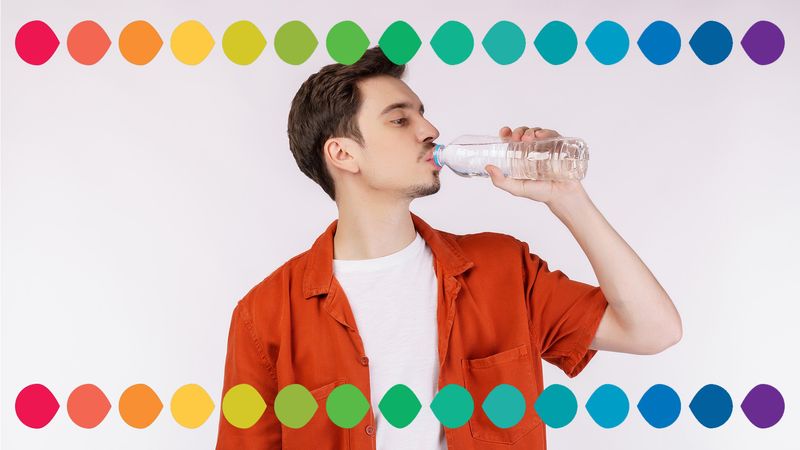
column 608, row 406
column 712, row 42
column 660, row 406
column 660, row 42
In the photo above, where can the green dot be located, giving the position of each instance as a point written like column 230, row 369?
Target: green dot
column 346, row 42
column 399, row 406
column 295, row 406
column 399, row 42
column 504, row 42
column 453, row 406
column 453, row 42
column 556, row 42
column 295, row 42
column 504, row 406
column 556, row 406
column 243, row 42
column 346, row 406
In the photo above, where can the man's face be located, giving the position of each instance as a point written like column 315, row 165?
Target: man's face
column 398, row 140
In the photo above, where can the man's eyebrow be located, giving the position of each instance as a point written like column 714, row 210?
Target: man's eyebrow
column 402, row 105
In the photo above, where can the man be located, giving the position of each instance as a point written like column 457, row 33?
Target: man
column 382, row 298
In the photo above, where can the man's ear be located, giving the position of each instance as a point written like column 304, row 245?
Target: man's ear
column 339, row 153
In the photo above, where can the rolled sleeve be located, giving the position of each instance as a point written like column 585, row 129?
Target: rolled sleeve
column 564, row 314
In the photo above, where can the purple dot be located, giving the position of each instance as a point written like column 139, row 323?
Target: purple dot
column 763, row 42
column 763, row 406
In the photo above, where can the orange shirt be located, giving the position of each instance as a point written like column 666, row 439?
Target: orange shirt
column 500, row 312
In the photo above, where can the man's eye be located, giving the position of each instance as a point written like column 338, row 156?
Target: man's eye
column 396, row 120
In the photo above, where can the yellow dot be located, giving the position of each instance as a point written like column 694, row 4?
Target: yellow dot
column 191, row 405
column 191, row 42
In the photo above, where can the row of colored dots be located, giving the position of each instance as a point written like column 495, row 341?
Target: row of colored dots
column 346, row 42
column 346, row 406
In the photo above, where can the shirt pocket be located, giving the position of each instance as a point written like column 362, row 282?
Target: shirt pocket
column 320, row 432
column 481, row 375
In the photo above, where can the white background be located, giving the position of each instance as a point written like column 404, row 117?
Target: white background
column 139, row 204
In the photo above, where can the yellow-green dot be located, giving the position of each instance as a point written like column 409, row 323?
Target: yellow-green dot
column 242, row 406
column 346, row 42
column 399, row 42
column 243, row 42
column 295, row 42
column 191, row 405
column 295, row 406
column 346, row 406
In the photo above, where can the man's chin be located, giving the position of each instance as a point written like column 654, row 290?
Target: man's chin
column 424, row 190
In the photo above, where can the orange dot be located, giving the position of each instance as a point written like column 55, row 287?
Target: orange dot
column 139, row 406
column 139, row 42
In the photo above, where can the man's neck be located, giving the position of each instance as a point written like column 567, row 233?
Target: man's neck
column 370, row 232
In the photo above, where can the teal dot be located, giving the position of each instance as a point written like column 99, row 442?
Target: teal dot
column 452, row 406
column 556, row 406
column 346, row 42
column 504, row 43
column 453, row 42
column 504, row 406
column 346, row 406
column 608, row 42
column 399, row 42
column 556, row 42
column 608, row 406
column 399, row 406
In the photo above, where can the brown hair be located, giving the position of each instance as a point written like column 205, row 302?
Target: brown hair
column 325, row 106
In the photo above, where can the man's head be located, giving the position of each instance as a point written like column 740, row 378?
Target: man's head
column 360, row 128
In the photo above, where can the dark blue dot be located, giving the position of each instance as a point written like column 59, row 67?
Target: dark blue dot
column 712, row 406
column 712, row 42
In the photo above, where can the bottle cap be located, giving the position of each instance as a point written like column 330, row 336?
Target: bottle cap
column 436, row 150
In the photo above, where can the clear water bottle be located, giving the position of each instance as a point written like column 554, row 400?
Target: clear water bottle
column 559, row 158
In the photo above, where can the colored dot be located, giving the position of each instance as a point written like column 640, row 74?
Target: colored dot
column 608, row 42
column 660, row 42
column 87, row 42
column 452, row 406
column 346, row 42
column 191, row 42
column 504, row 406
column 139, row 406
column 712, row 42
column 660, row 406
column 36, row 42
column 399, row 42
column 504, row 42
column 191, row 406
column 87, row 406
column 608, row 406
column 243, row 42
column 295, row 406
column 346, row 406
column 711, row 406
column 556, row 42
column 763, row 406
column 453, row 42
column 399, row 406
column 35, row 406
column 139, row 42
column 242, row 406
column 556, row 406
column 763, row 42
column 295, row 42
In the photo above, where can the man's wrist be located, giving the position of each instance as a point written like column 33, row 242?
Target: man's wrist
column 568, row 205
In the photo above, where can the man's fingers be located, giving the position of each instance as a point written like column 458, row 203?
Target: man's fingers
column 518, row 133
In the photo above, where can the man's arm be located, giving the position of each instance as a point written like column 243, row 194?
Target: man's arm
column 640, row 317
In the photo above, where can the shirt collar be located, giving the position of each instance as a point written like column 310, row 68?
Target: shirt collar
column 319, row 271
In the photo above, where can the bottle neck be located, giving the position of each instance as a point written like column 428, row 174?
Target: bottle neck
column 438, row 155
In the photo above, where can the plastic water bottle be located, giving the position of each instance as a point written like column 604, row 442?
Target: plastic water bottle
column 559, row 158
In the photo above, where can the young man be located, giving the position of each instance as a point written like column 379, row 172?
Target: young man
column 382, row 298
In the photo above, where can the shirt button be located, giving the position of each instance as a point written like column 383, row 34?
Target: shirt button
column 370, row 430
column 364, row 361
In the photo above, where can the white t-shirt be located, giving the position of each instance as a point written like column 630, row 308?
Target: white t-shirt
column 394, row 299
